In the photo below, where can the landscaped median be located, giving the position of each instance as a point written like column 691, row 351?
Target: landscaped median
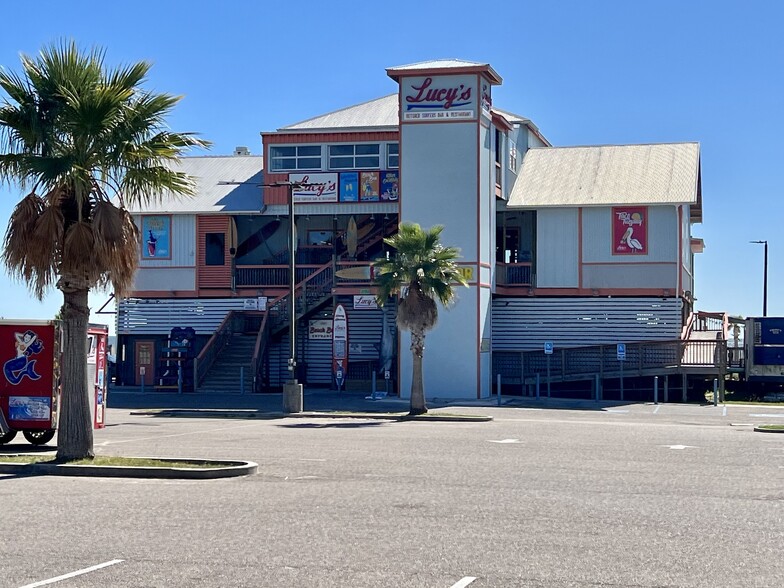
column 260, row 414
column 769, row 428
column 126, row 467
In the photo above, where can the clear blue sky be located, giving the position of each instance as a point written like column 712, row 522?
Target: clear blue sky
column 586, row 72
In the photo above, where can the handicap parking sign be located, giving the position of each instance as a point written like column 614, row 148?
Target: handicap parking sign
column 621, row 351
column 548, row 347
column 339, row 376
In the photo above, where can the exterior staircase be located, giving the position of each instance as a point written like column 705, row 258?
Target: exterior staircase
column 234, row 359
column 234, row 349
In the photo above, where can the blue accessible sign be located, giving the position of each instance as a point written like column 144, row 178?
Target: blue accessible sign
column 621, row 349
column 548, row 347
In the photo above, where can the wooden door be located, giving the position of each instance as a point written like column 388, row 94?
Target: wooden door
column 145, row 358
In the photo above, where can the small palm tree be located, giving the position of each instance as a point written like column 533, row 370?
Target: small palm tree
column 421, row 271
column 83, row 141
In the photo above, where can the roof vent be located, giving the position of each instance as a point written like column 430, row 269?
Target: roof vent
column 241, row 151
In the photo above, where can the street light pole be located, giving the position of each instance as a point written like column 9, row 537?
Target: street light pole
column 292, row 287
column 764, row 280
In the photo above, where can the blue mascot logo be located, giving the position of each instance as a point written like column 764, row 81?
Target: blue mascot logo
column 27, row 344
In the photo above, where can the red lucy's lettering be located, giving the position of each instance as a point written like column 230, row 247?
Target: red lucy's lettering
column 445, row 95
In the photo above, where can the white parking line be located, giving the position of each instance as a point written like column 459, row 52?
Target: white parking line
column 724, row 412
column 464, row 582
column 74, row 574
column 769, row 416
column 616, row 410
column 655, row 410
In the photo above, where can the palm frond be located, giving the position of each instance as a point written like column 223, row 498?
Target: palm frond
column 21, row 231
column 420, row 271
column 81, row 133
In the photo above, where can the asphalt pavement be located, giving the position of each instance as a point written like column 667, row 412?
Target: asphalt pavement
column 570, row 494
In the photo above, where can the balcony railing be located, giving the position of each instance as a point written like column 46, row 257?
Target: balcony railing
column 514, row 274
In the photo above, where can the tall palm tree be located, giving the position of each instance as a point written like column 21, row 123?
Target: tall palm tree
column 421, row 271
column 83, row 141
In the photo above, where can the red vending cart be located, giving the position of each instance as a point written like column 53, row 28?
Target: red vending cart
column 30, row 380
column 29, row 356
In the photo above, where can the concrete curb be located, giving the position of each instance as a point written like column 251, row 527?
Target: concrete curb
column 256, row 414
column 232, row 469
column 764, row 430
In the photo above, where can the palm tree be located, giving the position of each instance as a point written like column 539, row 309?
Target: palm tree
column 83, row 141
column 421, row 271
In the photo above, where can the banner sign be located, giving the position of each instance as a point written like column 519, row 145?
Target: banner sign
column 156, row 237
column 349, row 187
column 390, row 182
column 314, row 187
column 320, row 330
column 437, row 99
column 630, row 230
column 369, row 186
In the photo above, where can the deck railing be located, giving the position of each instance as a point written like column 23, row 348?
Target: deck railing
column 602, row 360
column 514, row 274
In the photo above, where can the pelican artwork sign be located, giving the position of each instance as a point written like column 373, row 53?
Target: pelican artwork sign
column 630, row 230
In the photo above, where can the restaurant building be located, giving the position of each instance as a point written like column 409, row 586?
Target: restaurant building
column 570, row 245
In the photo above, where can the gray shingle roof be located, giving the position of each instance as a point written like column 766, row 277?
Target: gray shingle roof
column 608, row 175
column 223, row 184
column 381, row 112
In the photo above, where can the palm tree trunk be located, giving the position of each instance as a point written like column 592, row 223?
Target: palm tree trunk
column 75, row 430
column 417, row 380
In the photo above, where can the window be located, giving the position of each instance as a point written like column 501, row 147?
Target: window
column 295, row 157
column 393, row 155
column 361, row 156
column 513, row 156
column 215, row 249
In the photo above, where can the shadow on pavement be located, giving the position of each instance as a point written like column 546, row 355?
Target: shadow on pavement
column 352, row 425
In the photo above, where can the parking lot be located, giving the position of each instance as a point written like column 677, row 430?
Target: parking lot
column 579, row 495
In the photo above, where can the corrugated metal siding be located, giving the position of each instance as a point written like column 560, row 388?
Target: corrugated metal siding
column 157, row 316
column 213, row 276
column 364, row 327
column 183, row 245
column 556, row 248
column 526, row 323
column 662, row 236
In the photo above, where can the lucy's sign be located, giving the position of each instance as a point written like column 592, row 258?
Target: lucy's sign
column 427, row 99
column 314, row 187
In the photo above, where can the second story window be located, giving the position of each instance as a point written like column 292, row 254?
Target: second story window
column 393, row 155
column 513, row 156
column 295, row 157
column 360, row 156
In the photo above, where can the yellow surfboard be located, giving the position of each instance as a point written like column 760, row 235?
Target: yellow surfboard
column 351, row 237
column 360, row 272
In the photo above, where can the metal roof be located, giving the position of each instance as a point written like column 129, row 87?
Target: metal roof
column 609, row 175
column 440, row 64
column 517, row 119
column 223, row 184
column 444, row 65
column 381, row 112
